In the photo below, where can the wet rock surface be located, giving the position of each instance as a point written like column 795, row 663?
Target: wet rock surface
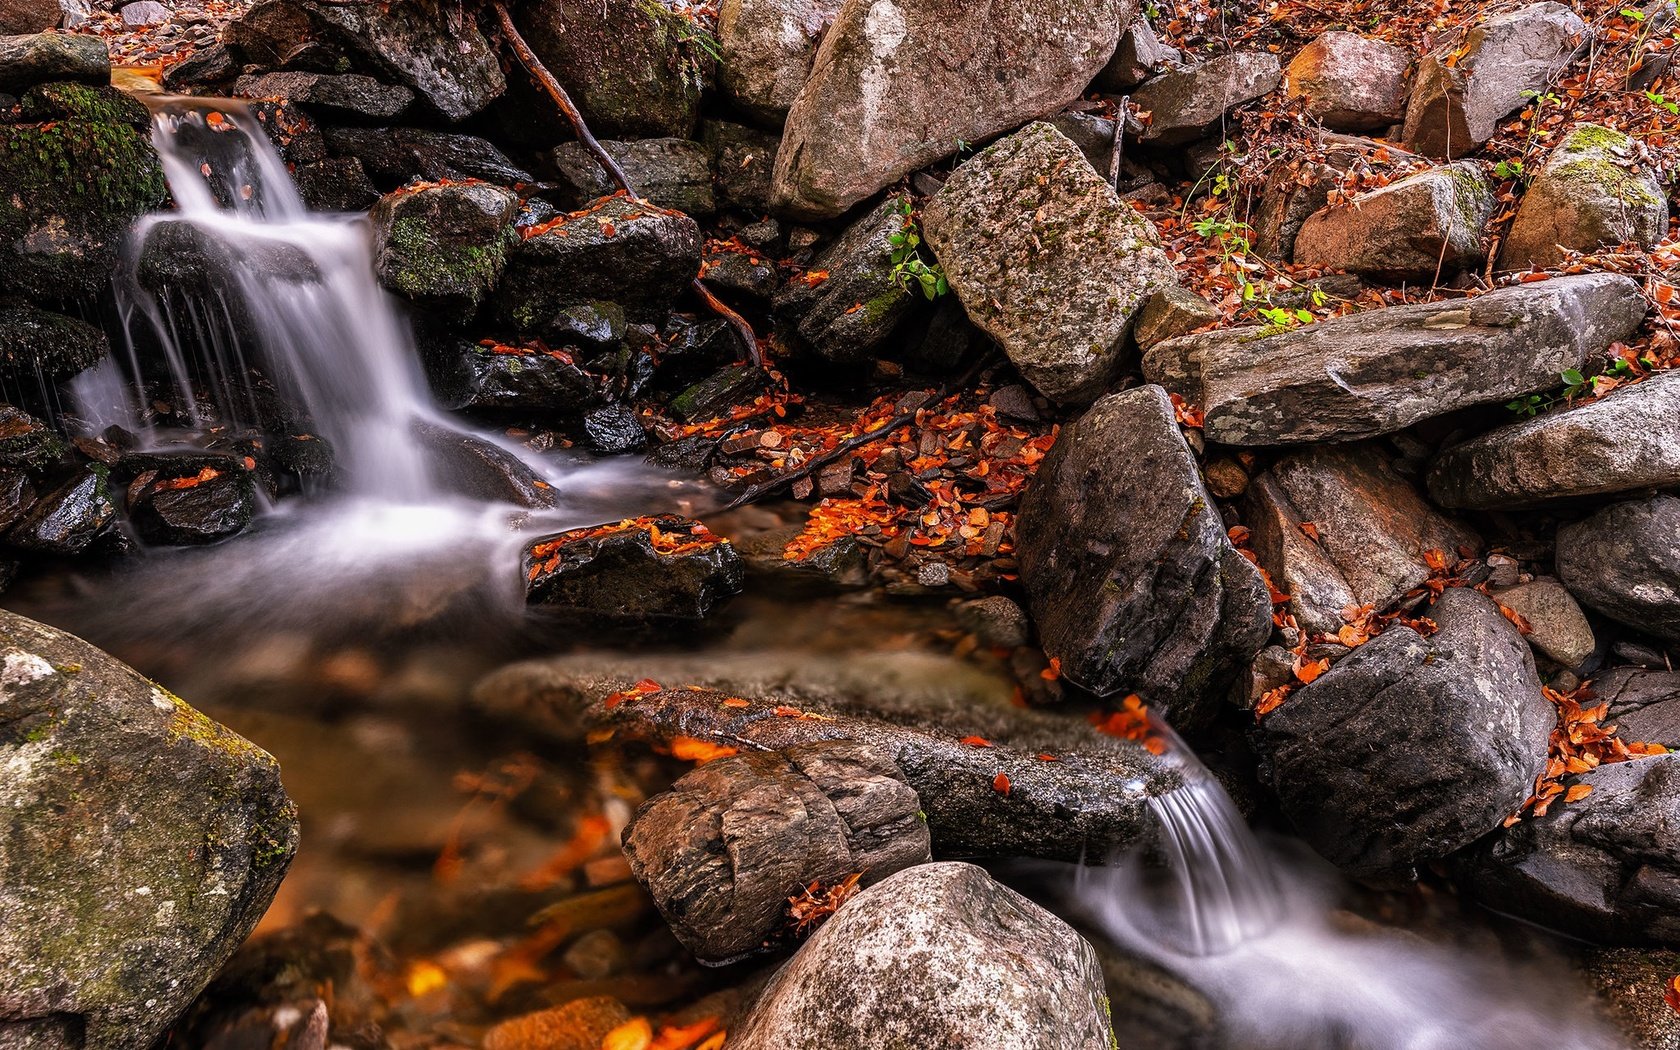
column 40, row 58
column 650, row 572
column 444, row 247
column 210, row 505
column 40, row 343
column 1624, row 561
column 442, row 57
column 394, row 156
column 824, row 318
column 70, row 518
column 1412, row 747
column 936, row 955
column 144, row 842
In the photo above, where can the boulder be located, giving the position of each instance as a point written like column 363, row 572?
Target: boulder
column 1425, row 227
column 1605, row 867
column 275, row 34
column 346, row 94
column 67, row 520
column 42, row 58
column 74, row 188
column 1129, row 574
column 394, row 157
column 515, row 381
column 1624, row 561
column 1379, row 371
column 1046, row 259
column 672, row 173
column 898, row 86
column 723, row 848
column 743, row 159
column 822, row 318
column 1463, row 90
column 26, row 443
column 25, row 17
column 766, row 49
column 140, row 14
column 1337, row 526
column 1171, row 312
column 469, row 465
column 1350, row 82
column 635, row 69
column 939, row 955
column 1589, row 194
column 1072, row 791
column 444, row 247
column 427, row 45
column 17, row 495
column 338, row 184
column 1411, row 748
column 1139, row 56
column 637, row 255
column 1557, row 627
column 39, row 344
column 206, row 507
column 661, row 572
column 69, row 100
column 1187, row 102
column 613, row 429
column 142, row 843
column 1644, row 704
column 1623, row 442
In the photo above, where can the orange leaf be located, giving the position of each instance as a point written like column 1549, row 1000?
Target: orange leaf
column 1309, row 670
column 1577, row 793
column 1309, row 530
column 976, row 741
column 690, row 749
column 1054, row 671
column 1671, row 994
column 735, row 701
column 634, row 1034
column 1000, row 784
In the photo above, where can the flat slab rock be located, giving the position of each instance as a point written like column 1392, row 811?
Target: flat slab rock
column 1185, row 103
column 1046, row 259
column 1644, row 703
column 937, row 956
column 142, row 843
column 1380, row 371
column 1623, row 442
column 1624, row 561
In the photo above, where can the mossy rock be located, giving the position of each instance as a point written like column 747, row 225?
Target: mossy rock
column 26, row 443
column 101, row 103
column 444, row 246
column 40, row 343
column 71, row 190
column 1592, row 192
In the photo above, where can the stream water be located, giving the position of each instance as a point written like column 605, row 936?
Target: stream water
column 341, row 631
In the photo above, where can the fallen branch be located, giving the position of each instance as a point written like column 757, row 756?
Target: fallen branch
column 563, row 99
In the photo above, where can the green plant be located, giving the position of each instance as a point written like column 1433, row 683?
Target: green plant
column 1509, row 169
column 909, row 270
column 1660, row 101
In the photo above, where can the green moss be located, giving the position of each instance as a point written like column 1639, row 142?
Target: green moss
column 1595, row 137
column 1597, row 172
column 189, row 723
column 101, row 104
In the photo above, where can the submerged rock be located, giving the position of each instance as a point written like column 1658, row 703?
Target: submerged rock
column 824, row 318
column 68, row 519
column 444, row 247
column 1350, row 82
column 898, row 86
column 938, row 956
column 1425, row 227
column 766, row 50
column 1130, row 576
column 1185, row 103
column 1412, row 747
column 723, row 848
column 44, row 57
column 659, row 572
column 1630, row 984
column 422, row 43
column 38, row 343
column 1589, row 194
column 142, row 844
column 1624, row 561
column 1046, row 259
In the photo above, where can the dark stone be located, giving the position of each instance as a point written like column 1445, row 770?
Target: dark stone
column 17, row 495
column 824, row 318
column 715, row 395
column 719, row 851
column 476, row 467
column 29, row 16
column 672, row 173
column 196, row 509
column 839, row 566
column 662, row 571
column 394, row 156
column 516, row 381
column 40, row 344
column 336, row 184
column 429, row 45
column 68, row 519
column 1624, row 561
column 598, row 325
column 206, row 67
column 741, row 277
column 1411, row 748
column 349, row 93
column 1139, row 56
column 613, row 429
column 1130, row 576
column 444, row 247
column 743, row 159
column 1186, row 102
column 45, row 57
column 1644, row 704
column 26, row 443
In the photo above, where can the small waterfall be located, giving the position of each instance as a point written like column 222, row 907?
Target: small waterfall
column 1226, row 890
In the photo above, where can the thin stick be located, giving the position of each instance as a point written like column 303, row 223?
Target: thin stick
column 563, row 99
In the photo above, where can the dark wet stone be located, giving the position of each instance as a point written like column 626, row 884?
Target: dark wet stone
column 1624, row 561
column 444, row 247
column 75, row 101
column 336, row 184
column 691, row 350
column 142, row 844
column 69, row 518
column 193, row 509
column 516, row 381
column 743, row 159
column 425, row 44
column 720, row 850
column 206, row 67
column 1644, row 703
column 741, row 277
column 717, row 394
column 394, row 156
column 36, row 342
column 599, row 325
column 349, row 93
column 662, row 571
column 27, row 443
column 824, row 318
column 613, row 429
column 17, row 495
column 672, row 173
column 474, row 466
column 44, row 57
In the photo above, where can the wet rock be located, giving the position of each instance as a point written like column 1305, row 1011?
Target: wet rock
column 672, row 173
column 939, row 955
column 517, row 381
column 1171, row 312
column 1559, row 629
column 1624, row 561
column 119, row 794
column 21, row 17
column 206, row 67
column 1644, row 703
column 1350, row 82
column 1589, row 194
column 444, row 247
column 44, row 57
column 212, row 505
column 395, row 156
column 1139, row 56
column 767, row 48
column 1464, row 90
column 839, row 566
column 663, row 571
column 1623, row 442
column 1371, row 532
column 1380, row 371
column 1629, row 984
column 742, row 159
column 1603, row 867
column 26, row 443
column 69, row 518
column 101, row 103
column 422, row 44
column 17, row 495
column 614, row 429
column 473, row 466
column 720, row 850
column 1046, row 259
column 741, row 276
column 715, row 395
column 582, row 1024
column 39, row 343
column 277, row 34
column 634, row 254
column 996, row 621
column 349, row 93
column 337, row 184
column 1421, row 228
column 948, row 726
column 1185, row 103
column 1129, row 574
column 1411, row 748
column 627, row 64
column 881, row 99
column 73, row 189
column 823, row 318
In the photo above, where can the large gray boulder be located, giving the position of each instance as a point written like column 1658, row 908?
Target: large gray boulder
column 1380, row 371
column 897, row 86
column 1046, row 259
column 427, row 45
column 1132, row 581
column 1626, row 441
column 1624, row 561
column 1425, row 227
column 1350, row 82
column 141, row 844
column 1411, row 748
column 936, row 956
column 1186, row 103
column 1589, row 194
column 1644, row 704
column 767, row 47
column 1463, row 90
